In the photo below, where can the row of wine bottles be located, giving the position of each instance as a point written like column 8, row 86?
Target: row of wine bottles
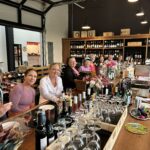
column 113, row 43
column 44, row 131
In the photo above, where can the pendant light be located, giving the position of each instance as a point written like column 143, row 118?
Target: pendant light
column 140, row 13
column 132, row 1
column 86, row 27
column 144, row 22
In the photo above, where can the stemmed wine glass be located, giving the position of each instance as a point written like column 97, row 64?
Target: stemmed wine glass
column 107, row 119
column 71, row 145
column 69, row 92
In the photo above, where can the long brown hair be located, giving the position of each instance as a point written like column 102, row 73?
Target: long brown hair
column 28, row 70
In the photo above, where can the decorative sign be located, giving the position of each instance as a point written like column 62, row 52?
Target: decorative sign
column 91, row 33
column 76, row 34
column 33, row 48
column 84, row 34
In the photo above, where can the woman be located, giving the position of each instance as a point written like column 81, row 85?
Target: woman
column 70, row 73
column 101, row 68
column 23, row 95
column 86, row 65
column 51, row 86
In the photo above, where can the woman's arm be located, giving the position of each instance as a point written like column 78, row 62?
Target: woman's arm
column 15, row 98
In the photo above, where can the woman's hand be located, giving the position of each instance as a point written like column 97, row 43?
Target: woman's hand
column 7, row 106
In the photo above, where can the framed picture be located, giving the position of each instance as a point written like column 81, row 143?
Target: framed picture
column 76, row 34
column 84, row 34
column 91, row 33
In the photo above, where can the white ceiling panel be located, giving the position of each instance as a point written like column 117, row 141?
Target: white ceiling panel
column 8, row 13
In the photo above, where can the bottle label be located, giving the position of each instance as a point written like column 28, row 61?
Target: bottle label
column 84, row 95
column 116, row 89
column 43, row 143
column 80, row 97
column 89, row 91
column 70, row 103
column 50, row 140
column 106, row 92
column 75, row 99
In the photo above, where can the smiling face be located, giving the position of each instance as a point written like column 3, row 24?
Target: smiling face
column 87, row 63
column 54, row 70
column 30, row 77
column 72, row 62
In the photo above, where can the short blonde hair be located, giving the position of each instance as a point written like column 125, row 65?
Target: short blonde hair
column 53, row 64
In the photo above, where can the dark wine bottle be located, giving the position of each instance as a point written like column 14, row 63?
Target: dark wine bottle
column 75, row 104
column 80, row 100
column 83, row 97
column 40, row 132
column 70, row 106
column 106, row 90
column 64, row 103
column 88, row 93
column 49, row 128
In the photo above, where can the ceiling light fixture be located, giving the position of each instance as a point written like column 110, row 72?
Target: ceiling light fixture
column 144, row 22
column 86, row 27
column 132, row 1
column 141, row 13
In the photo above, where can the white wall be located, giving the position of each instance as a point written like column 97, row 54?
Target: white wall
column 56, row 29
column 3, row 53
column 24, row 36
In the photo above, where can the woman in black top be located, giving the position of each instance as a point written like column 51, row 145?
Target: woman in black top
column 70, row 73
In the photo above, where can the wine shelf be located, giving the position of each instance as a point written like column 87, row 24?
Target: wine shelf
column 136, row 45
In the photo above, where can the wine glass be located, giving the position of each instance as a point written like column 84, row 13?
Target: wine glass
column 71, row 145
column 107, row 119
column 69, row 92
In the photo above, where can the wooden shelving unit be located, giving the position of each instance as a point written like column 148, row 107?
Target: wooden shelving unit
column 79, row 47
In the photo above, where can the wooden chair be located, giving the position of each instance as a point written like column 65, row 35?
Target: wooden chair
column 80, row 85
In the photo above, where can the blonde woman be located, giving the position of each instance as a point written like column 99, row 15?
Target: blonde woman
column 51, row 86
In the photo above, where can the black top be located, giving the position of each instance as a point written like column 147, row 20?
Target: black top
column 68, row 78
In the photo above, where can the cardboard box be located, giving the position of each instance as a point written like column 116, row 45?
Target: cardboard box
column 84, row 34
column 125, row 31
column 76, row 34
column 91, row 33
column 108, row 33
column 134, row 44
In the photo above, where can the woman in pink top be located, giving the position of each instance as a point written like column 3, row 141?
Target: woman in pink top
column 23, row 95
column 86, row 65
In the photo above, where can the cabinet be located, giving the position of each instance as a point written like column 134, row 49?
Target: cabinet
column 136, row 46
column 18, row 55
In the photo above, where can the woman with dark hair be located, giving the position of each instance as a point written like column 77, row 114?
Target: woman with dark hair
column 23, row 95
column 70, row 73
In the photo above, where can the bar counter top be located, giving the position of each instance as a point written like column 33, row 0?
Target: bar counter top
column 125, row 139
column 131, row 141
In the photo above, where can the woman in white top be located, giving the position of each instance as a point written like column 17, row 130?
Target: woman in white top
column 51, row 86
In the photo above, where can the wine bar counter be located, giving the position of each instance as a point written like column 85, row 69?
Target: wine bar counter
column 120, row 138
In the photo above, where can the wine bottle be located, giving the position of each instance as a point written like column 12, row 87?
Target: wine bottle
column 49, row 128
column 80, row 100
column 70, row 106
column 75, row 104
column 83, row 96
column 106, row 90
column 116, row 91
column 64, row 103
column 127, row 97
column 88, row 93
column 40, row 132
